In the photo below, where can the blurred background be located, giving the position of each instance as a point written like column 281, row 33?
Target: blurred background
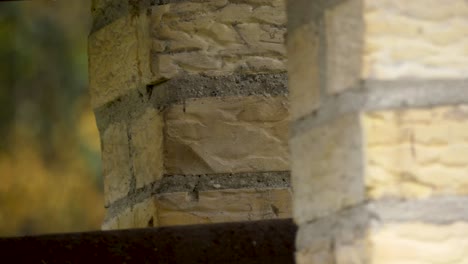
column 50, row 164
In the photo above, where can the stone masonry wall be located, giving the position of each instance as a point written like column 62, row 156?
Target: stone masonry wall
column 379, row 136
column 191, row 102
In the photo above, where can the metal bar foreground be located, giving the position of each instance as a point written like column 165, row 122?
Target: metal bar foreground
column 270, row 241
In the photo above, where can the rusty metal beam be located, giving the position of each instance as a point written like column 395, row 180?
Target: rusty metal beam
column 270, row 241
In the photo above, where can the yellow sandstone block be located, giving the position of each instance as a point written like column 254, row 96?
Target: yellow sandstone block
column 231, row 134
column 416, row 153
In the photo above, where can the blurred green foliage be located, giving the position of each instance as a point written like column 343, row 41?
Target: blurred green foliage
column 46, row 123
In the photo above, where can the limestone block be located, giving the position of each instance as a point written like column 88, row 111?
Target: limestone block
column 138, row 216
column 116, row 162
column 147, row 147
column 407, row 153
column 119, row 59
column 327, row 168
column 230, row 134
column 217, row 206
column 218, row 37
column 303, row 70
column 415, row 39
column 416, row 153
column 339, row 238
column 416, row 242
column 344, row 30
column 381, row 243
column 390, row 40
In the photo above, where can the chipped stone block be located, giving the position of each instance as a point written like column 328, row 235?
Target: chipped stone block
column 230, row 134
column 218, row 206
column 303, row 70
column 147, row 147
column 119, row 59
column 327, row 168
column 344, row 32
column 116, row 162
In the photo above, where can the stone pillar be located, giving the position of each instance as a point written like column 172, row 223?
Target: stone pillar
column 379, row 136
column 190, row 100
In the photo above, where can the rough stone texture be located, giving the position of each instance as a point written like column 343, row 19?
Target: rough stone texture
column 388, row 40
column 344, row 30
column 336, row 239
column 215, row 206
column 221, row 181
column 303, row 70
column 415, row 39
column 116, row 161
column 216, row 37
column 119, row 59
column 137, row 216
column 147, row 147
column 417, row 242
column 407, row 153
column 183, row 87
column 360, row 235
column 234, row 134
column 105, row 12
column 417, row 153
column 197, row 183
column 403, row 171
column 327, row 168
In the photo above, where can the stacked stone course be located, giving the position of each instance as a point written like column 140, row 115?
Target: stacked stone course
column 191, row 103
column 379, row 131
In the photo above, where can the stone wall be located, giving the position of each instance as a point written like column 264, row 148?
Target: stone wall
column 191, row 102
column 379, row 134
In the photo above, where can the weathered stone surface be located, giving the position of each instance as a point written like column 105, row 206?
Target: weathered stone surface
column 327, row 172
column 415, row 39
column 137, row 216
column 303, row 70
column 344, row 30
column 184, row 87
column 216, row 37
column 388, row 40
column 417, row 242
column 232, row 134
column 147, row 147
column 105, row 12
column 417, row 152
column 217, row 206
column 339, row 238
column 222, row 181
column 119, row 58
column 359, row 236
column 116, row 162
